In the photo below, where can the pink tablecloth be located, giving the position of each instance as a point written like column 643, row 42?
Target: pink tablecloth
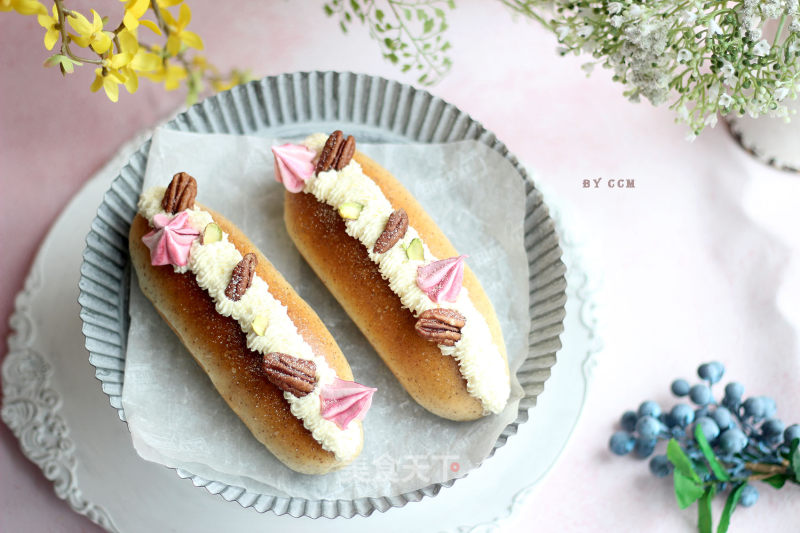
column 699, row 259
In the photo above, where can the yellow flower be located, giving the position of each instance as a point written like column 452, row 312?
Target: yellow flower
column 90, row 34
column 178, row 34
column 236, row 77
column 23, row 7
column 109, row 80
column 51, row 25
column 140, row 59
column 171, row 75
column 134, row 10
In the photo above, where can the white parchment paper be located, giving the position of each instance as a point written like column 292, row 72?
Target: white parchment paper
column 174, row 413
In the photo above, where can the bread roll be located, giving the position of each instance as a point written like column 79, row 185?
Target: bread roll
column 219, row 343
column 349, row 267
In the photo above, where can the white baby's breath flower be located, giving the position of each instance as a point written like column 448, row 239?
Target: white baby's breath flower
column 587, row 68
column 781, row 93
column 684, row 55
column 683, row 113
column 562, row 32
column 711, row 120
column 754, row 34
column 714, row 27
column 614, row 8
column 688, row 17
column 727, row 72
column 635, row 11
column 761, row 48
column 794, row 26
column 585, row 30
column 617, row 20
column 725, row 100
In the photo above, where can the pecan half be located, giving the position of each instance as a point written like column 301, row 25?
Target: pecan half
column 290, row 374
column 180, row 194
column 442, row 326
column 395, row 229
column 336, row 153
column 241, row 278
column 346, row 153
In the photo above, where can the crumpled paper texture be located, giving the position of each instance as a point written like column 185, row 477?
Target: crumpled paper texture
column 175, row 415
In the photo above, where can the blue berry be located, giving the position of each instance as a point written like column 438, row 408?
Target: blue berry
column 711, row 372
column 722, row 417
column 749, row 496
column 682, row 415
column 678, row 432
column 649, row 408
column 660, row 466
column 644, row 447
column 648, row 427
column 734, row 390
column 732, row 440
column 769, row 406
column 629, row 421
column 709, row 427
column 754, row 407
column 680, row 387
column 700, row 394
column 621, row 442
column 791, row 433
column 772, row 427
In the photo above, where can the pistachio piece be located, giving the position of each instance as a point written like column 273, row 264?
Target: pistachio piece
column 212, row 233
column 350, row 210
column 415, row 251
column 259, row 324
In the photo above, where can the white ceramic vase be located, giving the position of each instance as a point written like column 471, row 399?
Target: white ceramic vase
column 771, row 140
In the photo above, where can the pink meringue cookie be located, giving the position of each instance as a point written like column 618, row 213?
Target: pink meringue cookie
column 293, row 165
column 344, row 401
column 441, row 280
column 171, row 239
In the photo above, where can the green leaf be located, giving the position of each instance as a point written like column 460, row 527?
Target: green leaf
column 328, row 10
column 379, row 15
column 795, row 459
column 705, row 521
column 777, row 481
column 681, row 461
column 730, row 506
column 428, row 27
column 68, row 65
column 687, row 491
column 53, row 60
column 719, row 471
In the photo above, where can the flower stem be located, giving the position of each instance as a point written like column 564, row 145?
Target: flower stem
column 65, row 38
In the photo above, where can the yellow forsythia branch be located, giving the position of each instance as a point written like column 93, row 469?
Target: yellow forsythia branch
column 119, row 56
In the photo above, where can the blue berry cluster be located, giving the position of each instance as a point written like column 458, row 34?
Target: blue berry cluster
column 742, row 437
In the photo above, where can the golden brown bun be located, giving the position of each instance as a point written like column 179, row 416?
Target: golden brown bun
column 343, row 265
column 219, row 346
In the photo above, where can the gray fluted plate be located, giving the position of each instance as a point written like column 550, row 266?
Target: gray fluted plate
column 374, row 110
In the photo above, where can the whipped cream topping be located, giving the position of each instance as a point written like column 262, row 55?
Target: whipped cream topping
column 479, row 359
column 212, row 265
